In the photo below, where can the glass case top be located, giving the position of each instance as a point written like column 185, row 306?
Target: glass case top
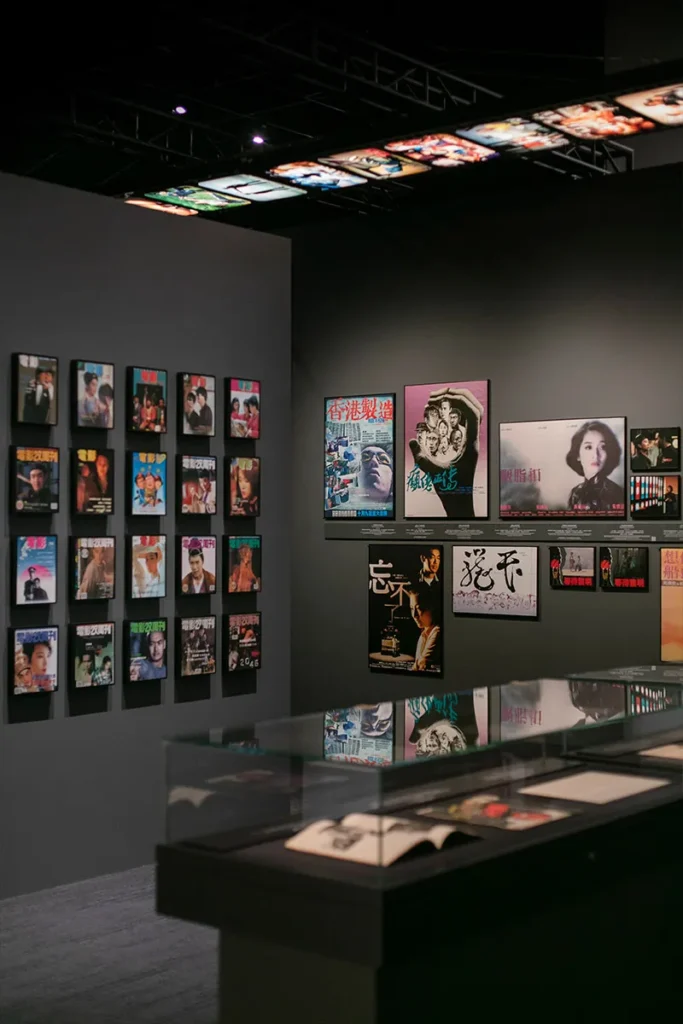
column 388, row 734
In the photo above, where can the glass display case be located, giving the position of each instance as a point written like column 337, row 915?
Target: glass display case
column 380, row 784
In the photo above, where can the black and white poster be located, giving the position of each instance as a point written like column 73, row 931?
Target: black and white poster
column 495, row 580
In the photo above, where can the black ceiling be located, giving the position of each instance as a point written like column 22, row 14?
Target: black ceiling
column 94, row 107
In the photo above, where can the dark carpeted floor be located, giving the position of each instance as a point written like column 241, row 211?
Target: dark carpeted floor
column 97, row 953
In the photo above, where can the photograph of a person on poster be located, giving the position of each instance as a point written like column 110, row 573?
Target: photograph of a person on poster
column 405, row 608
column 147, row 400
column 35, row 659
column 198, row 400
column 563, row 469
column 35, row 387
column 147, row 641
column 446, row 450
column 94, row 481
column 94, row 394
column 359, row 457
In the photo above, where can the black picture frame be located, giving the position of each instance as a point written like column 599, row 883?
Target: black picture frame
column 562, row 515
column 656, row 509
column 181, row 381
column 17, row 506
column 130, row 489
column 384, row 515
column 227, row 560
column 75, row 543
column 555, row 572
column 128, row 646
column 227, row 642
column 11, row 645
column 18, row 411
column 76, row 461
column 180, row 470
column 180, row 619
column 228, row 400
column 604, row 552
column 180, row 539
column 130, row 548
column 89, row 366
column 236, row 459
column 671, row 433
column 74, row 627
column 15, row 570
column 131, row 384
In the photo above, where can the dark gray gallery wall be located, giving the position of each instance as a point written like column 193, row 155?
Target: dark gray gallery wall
column 85, row 276
column 571, row 303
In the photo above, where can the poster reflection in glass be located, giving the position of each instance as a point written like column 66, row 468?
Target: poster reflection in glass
column 671, row 585
column 495, row 580
column 624, row 569
column 359, row 457
column 35, row 389
column 93, row 481
column 405, row 608
column 563, row 469
column 572, row 568
column 34, row 659
column 94, row 393
column 440, row 724
column 446, row 450
column 363, row 734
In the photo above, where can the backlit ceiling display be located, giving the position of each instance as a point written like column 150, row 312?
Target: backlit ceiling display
column 375, row 163
column 148, row 204
column 597, row 119
column 515, row 134
column 441, row 150
column 250, row 187
column 315, row 175
column 663, row 105
column 196, row 199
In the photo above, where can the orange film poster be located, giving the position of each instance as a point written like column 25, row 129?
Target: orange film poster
column 672, row 604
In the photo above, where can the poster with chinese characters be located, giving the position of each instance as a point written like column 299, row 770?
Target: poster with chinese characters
column 359, row 457
column 446, row 450
column 94, row 387
column 536, row 706
column 92, row 654
column 671, row 578
column 495, row 580
column 35, row 659
column 363, row 734
column 92, row 481
column 405, row 608
column 147, row 400
column 624, row 569
column 572, row 568
column 563, row 469
column 36, row 570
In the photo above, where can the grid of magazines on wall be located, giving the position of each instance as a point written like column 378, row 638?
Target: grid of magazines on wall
column 586, row 468
column 38, row 486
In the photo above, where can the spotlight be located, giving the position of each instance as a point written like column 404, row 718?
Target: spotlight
column 180, row 109
column 258, row 140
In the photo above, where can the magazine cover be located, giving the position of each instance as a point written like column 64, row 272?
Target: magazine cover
column 245, row 408
column 148, row 566
column 35, row 389
column 198, row 404
column 405, row 586
column 147, row 400
column 245, row 487
column 197, row 645
column 197, row 484
column 359, row 457
column 244, row 642
column 94, row 389
column 93, row 481
column 363, row 734
column 36, row 570
column 92, row 654
column 35, row 480
column 197, row 565
column 146, row 652
column 446, row 450
column 244, row 564
column 95, row 568
column 35, row 659
column 147, row 474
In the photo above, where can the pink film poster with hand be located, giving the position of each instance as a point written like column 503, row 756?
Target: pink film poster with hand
column 446, row 450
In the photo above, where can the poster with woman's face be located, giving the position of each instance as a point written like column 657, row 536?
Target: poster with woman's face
column 244, row 481
column 563, row 469
column 446, row 450
column 405, row 615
